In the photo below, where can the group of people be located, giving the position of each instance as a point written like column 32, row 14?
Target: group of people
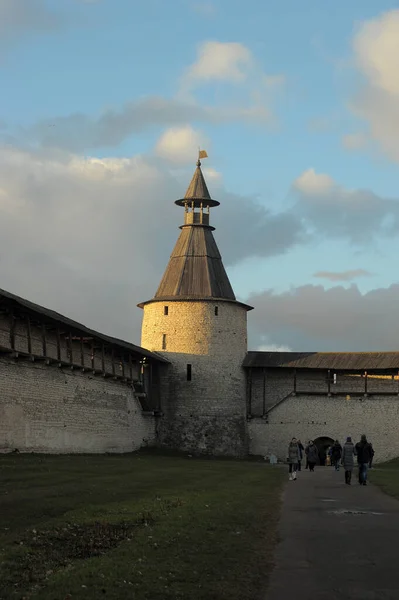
column 340, row 455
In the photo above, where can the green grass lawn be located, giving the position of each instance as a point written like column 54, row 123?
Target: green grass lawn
column 386, row 476
column 139, row 526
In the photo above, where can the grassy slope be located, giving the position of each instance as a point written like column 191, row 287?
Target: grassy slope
column 386, row 476
column 137, row 526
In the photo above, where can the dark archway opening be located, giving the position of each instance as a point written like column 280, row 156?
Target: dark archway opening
column 323, row 444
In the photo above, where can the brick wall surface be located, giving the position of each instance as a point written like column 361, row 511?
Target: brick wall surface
column 50, row 409
column 208, row 412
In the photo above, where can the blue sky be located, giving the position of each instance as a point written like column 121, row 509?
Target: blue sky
column 323, row 95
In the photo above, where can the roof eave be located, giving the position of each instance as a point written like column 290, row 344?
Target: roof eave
column 194, row 299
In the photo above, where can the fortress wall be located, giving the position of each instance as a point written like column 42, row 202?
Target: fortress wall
column 59, row 410
column 310, row 417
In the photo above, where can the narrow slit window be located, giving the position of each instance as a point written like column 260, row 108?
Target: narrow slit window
column 164, row 341
column 216, row 311
column 188, row 372
column 335, row 378
column 166, row 310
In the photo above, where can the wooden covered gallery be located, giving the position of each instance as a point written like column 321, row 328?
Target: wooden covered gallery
column 272, row 377
column 40, row 350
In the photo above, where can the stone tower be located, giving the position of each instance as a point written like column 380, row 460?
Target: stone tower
column 195, row 321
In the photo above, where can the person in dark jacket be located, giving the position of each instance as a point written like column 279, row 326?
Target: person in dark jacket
column 312, row 455
column 301, row 452
column 306, row 455
column 372, row 455
column 364, row 455
column 336, row 453
column 293, row 459
column 348, row 460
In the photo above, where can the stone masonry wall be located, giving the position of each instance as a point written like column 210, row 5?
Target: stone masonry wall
column 206, row 414
column 310, row 417
column 51, row 409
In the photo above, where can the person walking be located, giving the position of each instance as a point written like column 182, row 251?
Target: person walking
column 336, row 452
column 306, row 456
column 372, row 455
column 364, row 454
column 293, row 459
column 347, row 459
column 301, row 452
column 312, row 455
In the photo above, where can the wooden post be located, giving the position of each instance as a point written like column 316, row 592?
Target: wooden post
column 294, row 381
column 29, row 332
column 92, row 355
column 82, row 353
column 149, row 393
column 329, row 381
column 264, row 391
column 12, row 329
column 103, row 357
column 123, row 365
column 58, row 344
column 365, row 382
column 249, row 411
column 44, row 341
column 70, row 348
column 113, row 361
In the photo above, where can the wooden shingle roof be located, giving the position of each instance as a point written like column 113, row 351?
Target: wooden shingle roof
column 340, row 361
column 195, row 268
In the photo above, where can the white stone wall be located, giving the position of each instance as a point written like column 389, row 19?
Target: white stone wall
column 59, row 410
column 310, row 417
column 207, row 413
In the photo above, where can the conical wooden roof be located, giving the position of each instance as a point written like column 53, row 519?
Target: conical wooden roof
column 195, row 268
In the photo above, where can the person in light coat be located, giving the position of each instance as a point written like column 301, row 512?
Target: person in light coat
column 293, row 458
column 348, row 459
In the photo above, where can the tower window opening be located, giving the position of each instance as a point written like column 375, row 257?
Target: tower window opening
column 164, row 341
column 166, row 310
column 335, row 378
column 216, row 311
column 188, row 372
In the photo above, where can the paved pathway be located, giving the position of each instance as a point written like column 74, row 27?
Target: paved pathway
column 325, row 554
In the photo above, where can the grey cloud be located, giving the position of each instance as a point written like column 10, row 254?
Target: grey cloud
column 343, row 275
column 79, row 132
column 311, row 318
column 17, row 16
column 91, row 239
column 359, row 216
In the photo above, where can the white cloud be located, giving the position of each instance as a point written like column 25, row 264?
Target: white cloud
column 220, row 61
column 180, row 144
column 376, row 55
column 312, row 183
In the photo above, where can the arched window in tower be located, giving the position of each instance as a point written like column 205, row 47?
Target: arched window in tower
column 166, row 310
column 164, row 341
column 216, row 311
column 188, row 372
